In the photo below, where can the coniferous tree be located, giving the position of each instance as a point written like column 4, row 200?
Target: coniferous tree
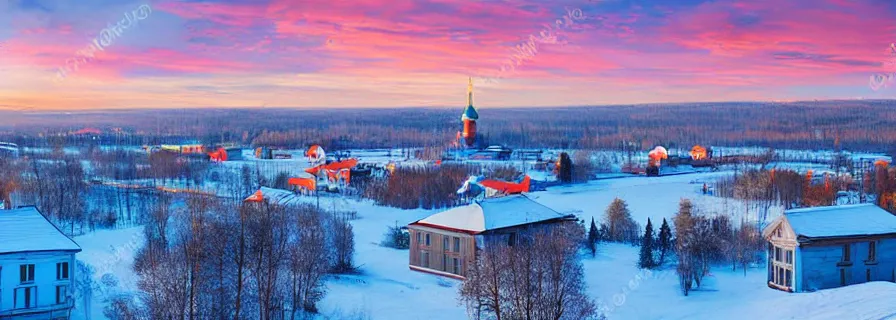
column 646, row 257
column 603, row 233
column 592, row 238
column 564, row 173
column 665, row 239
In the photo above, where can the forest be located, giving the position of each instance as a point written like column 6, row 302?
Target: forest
column 857, row 125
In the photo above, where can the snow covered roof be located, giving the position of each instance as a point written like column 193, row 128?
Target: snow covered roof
column 280, row 196
column 493, row 213
column 25, row 229
column 841, row 221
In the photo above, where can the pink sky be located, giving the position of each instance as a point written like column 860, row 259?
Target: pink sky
column 406, row 53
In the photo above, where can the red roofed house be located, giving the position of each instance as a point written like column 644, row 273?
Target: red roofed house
column 446, row 243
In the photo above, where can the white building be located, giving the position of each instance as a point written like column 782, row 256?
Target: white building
column 36, row 267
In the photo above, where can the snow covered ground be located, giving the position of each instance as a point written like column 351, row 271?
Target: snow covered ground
column 108, row 252
column 387, row 289
column 726, row 294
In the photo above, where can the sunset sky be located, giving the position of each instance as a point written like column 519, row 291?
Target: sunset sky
column 406, row 53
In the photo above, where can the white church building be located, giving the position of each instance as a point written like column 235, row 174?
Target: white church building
column 36, row 267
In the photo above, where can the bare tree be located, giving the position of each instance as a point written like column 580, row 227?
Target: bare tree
column 620, row 225
column 342, row 241
column 9, row 181
column 484, row 290
column 747, row 244
column 684, row 239
column 308, row 260
column 267, row 244
column 541, row 277
column 583, row 166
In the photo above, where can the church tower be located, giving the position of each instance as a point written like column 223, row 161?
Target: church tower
column 469, row 117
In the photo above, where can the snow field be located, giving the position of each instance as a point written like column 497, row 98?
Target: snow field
column 387, row 289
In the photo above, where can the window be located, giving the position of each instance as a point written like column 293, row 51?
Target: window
column 846, row 253
column 61, row 294
column 25, row 297
column 419, row 237
column 444, row 262
column 427, row 239
column 456, row 265
column 867, row 275
column 788, row 275
column 62, row 271
column 26, row 273
column 445, row 244
column 456, row 244
column 789, row 256
column 872, row 251
column 424, row 258
column 511, row 240
column 778, row 254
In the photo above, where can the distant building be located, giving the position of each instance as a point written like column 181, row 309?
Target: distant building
column 36, row 267
column 224, row 154
column 234, row 154
column 446, row 243
column 9, row 150
column 829, row 247
column 184, row 148
column 469, row 118
column 492, row 153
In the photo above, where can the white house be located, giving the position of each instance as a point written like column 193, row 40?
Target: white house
column 36, row 267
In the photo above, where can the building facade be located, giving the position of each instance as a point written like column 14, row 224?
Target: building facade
column 827, row 247
column 446, row 243
column 36, row 267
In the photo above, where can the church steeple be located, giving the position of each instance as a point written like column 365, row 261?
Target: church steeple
column 470, row 92
column 470, row 112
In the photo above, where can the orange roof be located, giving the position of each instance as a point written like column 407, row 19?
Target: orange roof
column 507, row 187
column 256, row 197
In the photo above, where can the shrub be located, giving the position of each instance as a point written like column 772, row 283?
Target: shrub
column 396, row 238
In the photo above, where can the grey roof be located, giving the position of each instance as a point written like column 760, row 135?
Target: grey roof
column 841, row 221
column 25, row 229
column 494, row 213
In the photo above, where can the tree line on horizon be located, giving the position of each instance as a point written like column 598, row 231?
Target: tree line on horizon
column 853, row 125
